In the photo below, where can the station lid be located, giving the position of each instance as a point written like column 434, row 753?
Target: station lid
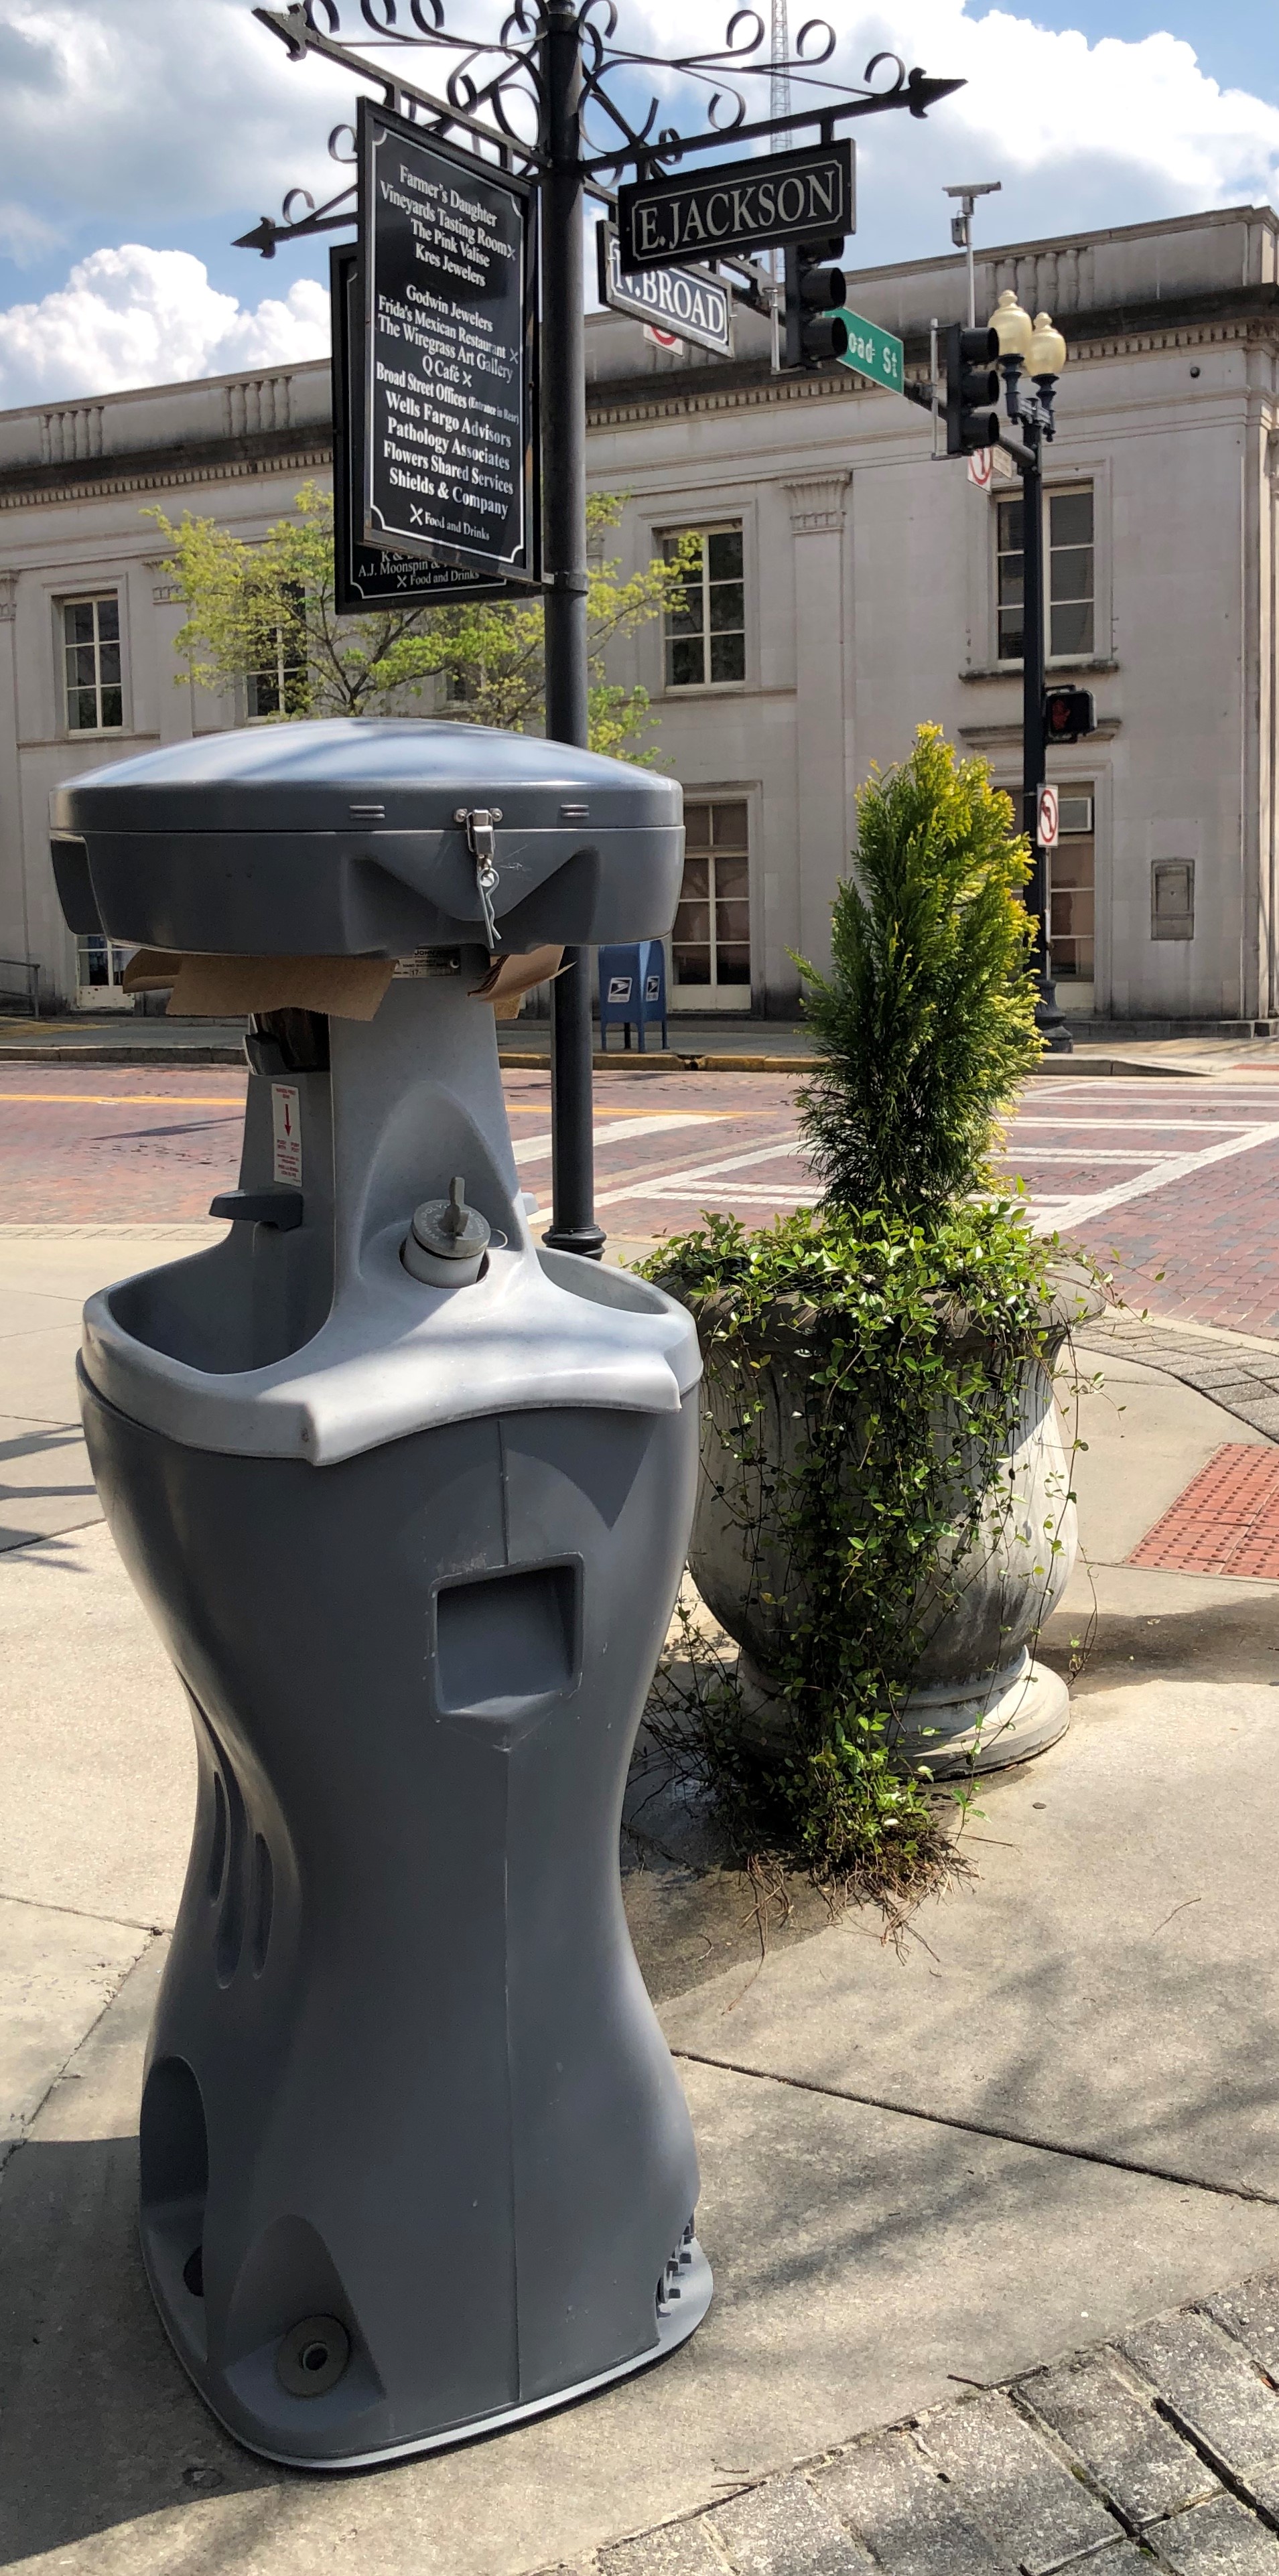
column 367, row 838
column 362, row 773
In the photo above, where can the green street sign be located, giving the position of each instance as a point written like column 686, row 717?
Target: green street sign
column 872, row 352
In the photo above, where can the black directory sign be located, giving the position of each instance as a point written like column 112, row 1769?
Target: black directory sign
column 447, row 268
column 741, row 205
column 372, row 577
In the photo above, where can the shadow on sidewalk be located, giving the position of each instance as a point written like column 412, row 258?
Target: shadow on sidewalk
column 99, row 2424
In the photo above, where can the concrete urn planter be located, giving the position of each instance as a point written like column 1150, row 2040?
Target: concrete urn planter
column 979, row 1700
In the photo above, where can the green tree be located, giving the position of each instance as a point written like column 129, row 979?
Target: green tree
column 263, row 615
column 927, row 1018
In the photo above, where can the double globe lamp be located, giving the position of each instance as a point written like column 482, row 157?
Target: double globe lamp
column 1037, row 346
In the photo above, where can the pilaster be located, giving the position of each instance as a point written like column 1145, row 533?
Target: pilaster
column 817, row 511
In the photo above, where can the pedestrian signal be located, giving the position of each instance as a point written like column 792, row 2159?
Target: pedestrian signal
column 1068, row 714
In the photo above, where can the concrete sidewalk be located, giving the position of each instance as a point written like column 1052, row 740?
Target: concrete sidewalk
column 1050, row 2120
column 721, row 1041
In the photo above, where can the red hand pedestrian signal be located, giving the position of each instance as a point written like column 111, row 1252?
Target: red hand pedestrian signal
column 1069, row 714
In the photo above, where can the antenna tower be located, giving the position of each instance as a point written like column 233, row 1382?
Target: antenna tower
column 779, row 49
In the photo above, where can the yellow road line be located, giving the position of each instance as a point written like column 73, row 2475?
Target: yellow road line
column 133, row 1099
column 235, row 1100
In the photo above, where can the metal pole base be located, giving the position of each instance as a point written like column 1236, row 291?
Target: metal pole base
column 588, row 1240
column 1050, row 1024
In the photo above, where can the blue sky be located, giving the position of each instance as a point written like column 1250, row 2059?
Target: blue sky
column 138, row 136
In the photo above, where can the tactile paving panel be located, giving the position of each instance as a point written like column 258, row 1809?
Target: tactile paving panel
column 1226, row 1521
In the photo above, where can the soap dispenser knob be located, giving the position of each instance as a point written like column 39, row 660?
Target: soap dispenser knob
column 446, row 1243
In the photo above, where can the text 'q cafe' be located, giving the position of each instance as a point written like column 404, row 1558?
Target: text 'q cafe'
column 847, row 587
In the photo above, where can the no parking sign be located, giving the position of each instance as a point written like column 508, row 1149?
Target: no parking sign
column 988, row 465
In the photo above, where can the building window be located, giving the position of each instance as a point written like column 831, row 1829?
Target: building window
column 1010, row 568
column 278, row 687
column 91, row 646
column 711, row 942
column 1070, row 564
column 100, row 965
column 1071, row 883
column 706, row 627
column 1070, row 573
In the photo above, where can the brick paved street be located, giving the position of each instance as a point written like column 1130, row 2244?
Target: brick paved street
column 1173, row 1183
column 1155, row 2452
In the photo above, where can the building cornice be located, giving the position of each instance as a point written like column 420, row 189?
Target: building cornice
column 1248, row 315
column 623, row 403
column 159, row 469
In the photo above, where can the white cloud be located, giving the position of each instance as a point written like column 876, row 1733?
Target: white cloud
column 143, row 113
column 142, row 317
column 1080, row 134
column 1047, row 98
column 118, row 109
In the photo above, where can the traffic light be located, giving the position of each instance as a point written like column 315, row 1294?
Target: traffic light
column 814, row 294
column 972, row 389
column 1068, row 714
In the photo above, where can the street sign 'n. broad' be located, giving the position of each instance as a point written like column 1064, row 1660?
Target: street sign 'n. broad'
column 742, row 205
column 682, row 301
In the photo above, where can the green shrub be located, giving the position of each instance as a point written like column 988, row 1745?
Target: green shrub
column 882, row 1316
column 926, row 1019
column 910, row 1304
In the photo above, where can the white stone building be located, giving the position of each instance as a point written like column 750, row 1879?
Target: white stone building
column 851, row 587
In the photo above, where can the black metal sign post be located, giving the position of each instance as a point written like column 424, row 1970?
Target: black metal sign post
column 573, row 1227
column 515, row 109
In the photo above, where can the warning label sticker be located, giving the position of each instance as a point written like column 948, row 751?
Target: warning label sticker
column 286, row 1133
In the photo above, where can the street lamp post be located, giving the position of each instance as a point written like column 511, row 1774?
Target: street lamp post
column 1038, row 349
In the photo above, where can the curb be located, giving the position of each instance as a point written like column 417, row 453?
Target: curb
column 211, row 1052
column 197, row 1051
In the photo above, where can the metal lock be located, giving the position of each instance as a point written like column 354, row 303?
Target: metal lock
column 478, row 822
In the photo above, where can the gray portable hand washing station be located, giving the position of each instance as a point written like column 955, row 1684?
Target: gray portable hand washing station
column 415, row 2162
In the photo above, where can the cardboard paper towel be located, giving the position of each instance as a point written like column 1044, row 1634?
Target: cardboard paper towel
column 509, row 976
column 218, row 988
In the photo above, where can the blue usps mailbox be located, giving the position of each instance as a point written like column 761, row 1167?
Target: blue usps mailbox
column 632, row 989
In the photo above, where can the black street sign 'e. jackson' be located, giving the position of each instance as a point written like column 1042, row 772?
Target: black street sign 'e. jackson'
column 741, row 205
column 447, row 279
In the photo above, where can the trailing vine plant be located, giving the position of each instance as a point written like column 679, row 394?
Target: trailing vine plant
column 893, row 1327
